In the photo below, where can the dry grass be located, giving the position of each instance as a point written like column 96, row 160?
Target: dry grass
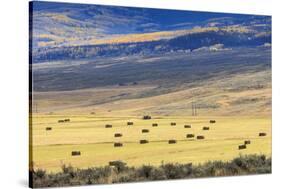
column 88, row 135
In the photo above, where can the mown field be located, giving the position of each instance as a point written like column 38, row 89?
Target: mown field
column 87, row 134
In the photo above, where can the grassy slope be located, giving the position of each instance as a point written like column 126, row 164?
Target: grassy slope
column 239, row 94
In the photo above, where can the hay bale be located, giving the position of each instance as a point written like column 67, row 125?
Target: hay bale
column 212, row 121
column 116, row 163
column 172, row 141
column 200, row 137
column 108, row 126
column 118, row 144
column 187, row 126
column 117, row 135
column 75, row 153
column 247, row 142
column 154, row 124
column 190, row 136
column 206, row 128
column 48, row 128
column 145, row 131
column 130, row 123
column 146, row 117
column 173, row 123
column 262, row 134
column 144, row 141
column 241, row 147
column 61, row 121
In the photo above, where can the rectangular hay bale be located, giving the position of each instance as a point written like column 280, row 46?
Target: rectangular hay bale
column 146, row 117
column 117, row 135
column 116, row 163
column 145, row 131
column 143, row 141
column 75, row 153
column 247, row 142
column 130, row 123
column 172, row 141
column 190, row 136
column 241, row 147
column 118, row 144
column 108, row 126
column 200, row 137
column 262, row 134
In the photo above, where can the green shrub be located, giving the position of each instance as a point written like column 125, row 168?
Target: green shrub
column 145, row 171
column 119, row 165
column 251, row 164
column 39, row 173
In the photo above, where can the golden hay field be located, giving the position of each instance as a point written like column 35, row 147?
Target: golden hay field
column 87, row 134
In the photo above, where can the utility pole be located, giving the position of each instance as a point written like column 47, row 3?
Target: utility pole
column 35, row 107
column 192, row 113
column 194, row 108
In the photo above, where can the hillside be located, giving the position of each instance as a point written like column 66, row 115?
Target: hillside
column 64, row 24
column 187, row 42
column 159, row 85
column 62, row 31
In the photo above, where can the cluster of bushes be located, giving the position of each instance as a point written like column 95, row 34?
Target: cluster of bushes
column 119, row 172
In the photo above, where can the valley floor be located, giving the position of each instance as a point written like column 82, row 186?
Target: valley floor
column 87, row 134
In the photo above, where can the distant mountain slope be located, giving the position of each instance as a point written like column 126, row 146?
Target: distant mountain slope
column 64, row 24
column 185, row 42
column 163, row 70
